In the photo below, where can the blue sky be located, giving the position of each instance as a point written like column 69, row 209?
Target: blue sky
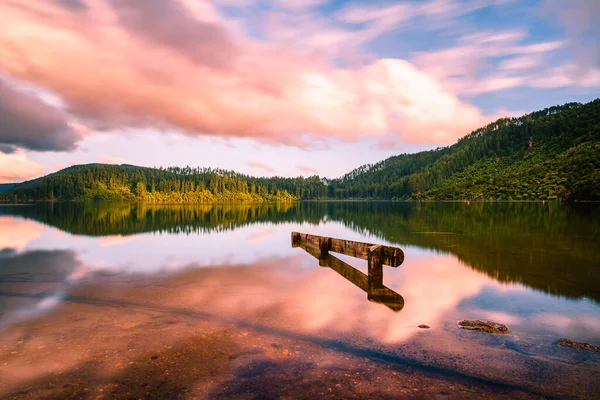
column 274, row 87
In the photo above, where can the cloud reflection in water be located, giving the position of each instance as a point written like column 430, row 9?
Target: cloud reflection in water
column 266, row 276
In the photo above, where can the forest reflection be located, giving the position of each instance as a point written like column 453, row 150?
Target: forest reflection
column 547, row 246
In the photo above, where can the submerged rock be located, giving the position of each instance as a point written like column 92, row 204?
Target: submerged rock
column 577, row 345
column 423, row 326
column 484, row 326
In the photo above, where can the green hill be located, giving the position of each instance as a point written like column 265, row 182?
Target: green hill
column 132, row 183
column 549, row 154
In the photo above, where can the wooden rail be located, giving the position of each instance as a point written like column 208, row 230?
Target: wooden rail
column 386, row 255
column 372, row 283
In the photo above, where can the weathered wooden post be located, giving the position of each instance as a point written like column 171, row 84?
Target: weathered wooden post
column 323, row 262
column 375, row 260
column 296, row 239
column 324, row 247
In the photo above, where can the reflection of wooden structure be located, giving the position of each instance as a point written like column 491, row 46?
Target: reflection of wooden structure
column 377, row 255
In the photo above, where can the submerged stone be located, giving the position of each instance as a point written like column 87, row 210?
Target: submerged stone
column 577, row 345
column 484, row 326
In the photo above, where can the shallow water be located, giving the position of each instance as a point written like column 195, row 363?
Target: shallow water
column 532, row 266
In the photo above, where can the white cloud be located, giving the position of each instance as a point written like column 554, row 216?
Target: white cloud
column 471, row 67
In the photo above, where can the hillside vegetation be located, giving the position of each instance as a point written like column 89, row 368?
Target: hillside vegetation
column 549, row 154
column 131, row 183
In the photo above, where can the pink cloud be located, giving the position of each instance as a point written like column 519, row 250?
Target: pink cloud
column 495, row 83
column 388, row 142
column 308, row 168
column 467, row 68
column 134, row 73
column 568, row 75
column 16, row 167
column 428, row 15
column 520, row 63
column 112, row 160
column 298, row 4
column 261, row 165
column 379, row 19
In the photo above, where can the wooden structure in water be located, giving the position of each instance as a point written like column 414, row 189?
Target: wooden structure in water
column 377, row 256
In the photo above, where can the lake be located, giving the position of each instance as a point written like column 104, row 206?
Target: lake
column 213, row 301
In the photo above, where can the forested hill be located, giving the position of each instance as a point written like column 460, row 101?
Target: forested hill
column 549, row 154
column 133, row 183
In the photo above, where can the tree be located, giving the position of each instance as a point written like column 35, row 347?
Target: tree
column 140, row 189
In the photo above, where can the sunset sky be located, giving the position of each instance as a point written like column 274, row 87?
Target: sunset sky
column 276, row 87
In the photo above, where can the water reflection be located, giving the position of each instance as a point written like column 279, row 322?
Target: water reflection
column 33, row 282
column 549, row 247
column 452, row 269
column 372, row 284
column 16, row 232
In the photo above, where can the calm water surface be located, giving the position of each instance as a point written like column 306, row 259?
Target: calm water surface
column 534, row 267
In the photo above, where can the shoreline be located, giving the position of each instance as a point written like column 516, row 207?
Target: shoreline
column 31, row 202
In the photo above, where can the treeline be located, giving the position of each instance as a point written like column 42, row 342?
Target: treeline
column 130, row 183
column 552, row 154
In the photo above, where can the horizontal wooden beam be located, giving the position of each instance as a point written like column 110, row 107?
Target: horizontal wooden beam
column 392, row 256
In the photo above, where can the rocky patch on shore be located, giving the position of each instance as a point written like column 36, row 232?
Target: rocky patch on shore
column 484, row 326
column 577, row 345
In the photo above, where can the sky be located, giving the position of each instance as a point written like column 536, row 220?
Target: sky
column 277, row 87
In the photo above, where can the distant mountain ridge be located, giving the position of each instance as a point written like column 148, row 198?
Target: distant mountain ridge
column 548, row 154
